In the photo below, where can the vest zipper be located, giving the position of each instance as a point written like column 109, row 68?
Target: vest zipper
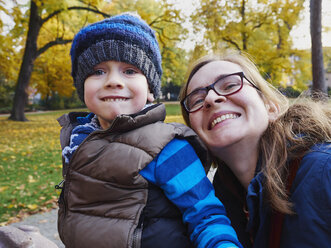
column 62, row 201
column 60, row 185
column 136, row 240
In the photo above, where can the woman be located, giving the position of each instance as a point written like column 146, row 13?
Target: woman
column 273, row 160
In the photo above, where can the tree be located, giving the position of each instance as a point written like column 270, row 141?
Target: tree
column 52, row 73
column 8, row 63
column 316, row 47
column 259, row 28
column 31, row 51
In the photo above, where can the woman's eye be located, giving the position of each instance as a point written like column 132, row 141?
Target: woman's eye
column 197, row 99
column 230, row 85
column 197, row 102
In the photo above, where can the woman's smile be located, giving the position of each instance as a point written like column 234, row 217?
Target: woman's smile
column 222, row 118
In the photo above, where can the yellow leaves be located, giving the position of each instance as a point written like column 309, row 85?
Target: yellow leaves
column 3, row 188
column 14, row 205
column 56, row 166
column 21, row 140
column 30, row 160
column 31, row 179
column 262, row 30
column 32, row 206
column 174, row 118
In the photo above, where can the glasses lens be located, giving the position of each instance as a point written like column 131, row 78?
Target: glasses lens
column 228, row 85
column 195, row 100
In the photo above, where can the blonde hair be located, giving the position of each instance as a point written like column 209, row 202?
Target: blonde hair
column 290, row 136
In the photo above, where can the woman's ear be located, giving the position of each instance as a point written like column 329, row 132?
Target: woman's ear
column 150, row 97
column 273, row 110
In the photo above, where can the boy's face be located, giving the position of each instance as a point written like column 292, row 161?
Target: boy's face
column 115, row 88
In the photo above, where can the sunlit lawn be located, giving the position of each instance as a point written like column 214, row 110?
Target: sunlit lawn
column 30, row 163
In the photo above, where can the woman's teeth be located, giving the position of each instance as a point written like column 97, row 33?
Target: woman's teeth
column 222, row 118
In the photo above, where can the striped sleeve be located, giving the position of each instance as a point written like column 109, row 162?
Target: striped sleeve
column 178, row 171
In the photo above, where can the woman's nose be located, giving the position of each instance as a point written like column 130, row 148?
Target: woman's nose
column 212, row 98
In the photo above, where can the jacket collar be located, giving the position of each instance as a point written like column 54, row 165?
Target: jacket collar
column 149, row 115
column 121, row 123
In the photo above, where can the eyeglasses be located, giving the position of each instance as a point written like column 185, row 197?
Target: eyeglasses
column 225, row 85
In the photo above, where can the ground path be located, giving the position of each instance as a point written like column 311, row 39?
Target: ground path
column 47, row 224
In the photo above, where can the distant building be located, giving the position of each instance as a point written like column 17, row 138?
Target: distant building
column 328, row 79
column 33, row 96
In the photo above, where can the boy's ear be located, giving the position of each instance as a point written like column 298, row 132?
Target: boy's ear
column 150, row 97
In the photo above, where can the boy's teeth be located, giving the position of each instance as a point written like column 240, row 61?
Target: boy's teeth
column 114, row 99
column 222, row 118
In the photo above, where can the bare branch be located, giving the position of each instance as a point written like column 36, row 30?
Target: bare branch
column 260, row 22
column 74, row 8
column 159, row 19
column 288, row 25
column 156, row 20
column 231, row 42
column 90, row 9
column 51, row 15
column 57, row 41
column 257, row 25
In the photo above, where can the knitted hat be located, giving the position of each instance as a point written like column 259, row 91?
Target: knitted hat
column 125, row 38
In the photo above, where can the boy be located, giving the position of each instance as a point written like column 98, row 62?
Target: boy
column 130, row 179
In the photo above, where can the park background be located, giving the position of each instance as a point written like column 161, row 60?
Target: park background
column 273, row 32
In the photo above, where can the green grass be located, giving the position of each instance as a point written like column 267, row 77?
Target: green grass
column 173, row 109
column 31, row 164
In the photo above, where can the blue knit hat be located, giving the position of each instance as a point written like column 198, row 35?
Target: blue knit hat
column 125, row 38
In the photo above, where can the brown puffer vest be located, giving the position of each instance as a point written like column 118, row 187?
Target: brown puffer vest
column 104, row 194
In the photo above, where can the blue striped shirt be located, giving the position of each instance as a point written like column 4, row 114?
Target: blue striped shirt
column 177, row 170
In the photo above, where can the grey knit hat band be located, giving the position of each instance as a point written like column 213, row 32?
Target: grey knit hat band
column 118, row 51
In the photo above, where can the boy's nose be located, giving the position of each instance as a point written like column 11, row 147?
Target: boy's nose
column 114, row 81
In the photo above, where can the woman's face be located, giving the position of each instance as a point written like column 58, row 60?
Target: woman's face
column 222, row 122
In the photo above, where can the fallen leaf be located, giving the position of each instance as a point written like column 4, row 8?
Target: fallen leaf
column 32, row 206
column 31, row 179
column 3, row 188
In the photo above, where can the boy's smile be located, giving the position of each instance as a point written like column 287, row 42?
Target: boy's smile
column 115, row 88
column 114, row 99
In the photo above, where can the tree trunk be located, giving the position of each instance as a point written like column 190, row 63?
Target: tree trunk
column 243, row 32
column 30, row 54
column 316, row 47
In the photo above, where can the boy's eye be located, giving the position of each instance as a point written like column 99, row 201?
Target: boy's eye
column 130, row 71
column 98, row 72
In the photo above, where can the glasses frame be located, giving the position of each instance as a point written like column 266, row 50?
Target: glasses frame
column 212, row 87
